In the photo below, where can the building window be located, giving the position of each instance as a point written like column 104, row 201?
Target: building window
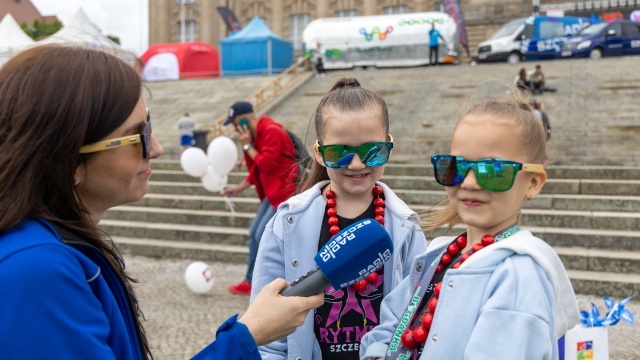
column 189, row 31
column 186, row 2
column 297, row 23
column 346, row 13
column 400, row 9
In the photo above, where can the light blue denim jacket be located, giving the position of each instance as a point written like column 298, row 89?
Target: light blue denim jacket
column 511, row 300
column 290, row 242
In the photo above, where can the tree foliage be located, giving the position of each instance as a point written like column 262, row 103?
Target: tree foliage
column 41, row 29
column 114, row 38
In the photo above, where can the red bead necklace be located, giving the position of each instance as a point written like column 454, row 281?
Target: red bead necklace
column 332, row 212
column 411, row 339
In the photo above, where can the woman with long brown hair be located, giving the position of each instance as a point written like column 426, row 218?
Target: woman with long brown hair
column 76, row 140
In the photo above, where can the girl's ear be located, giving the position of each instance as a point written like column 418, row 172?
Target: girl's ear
column 317, row 154
column 537, row 182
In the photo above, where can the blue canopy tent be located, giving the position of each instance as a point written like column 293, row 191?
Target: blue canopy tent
column 255, row 50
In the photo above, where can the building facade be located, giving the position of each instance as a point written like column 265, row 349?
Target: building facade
column 22, row 11
column 288, row 18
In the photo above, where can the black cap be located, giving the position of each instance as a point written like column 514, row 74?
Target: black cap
column 239, row 108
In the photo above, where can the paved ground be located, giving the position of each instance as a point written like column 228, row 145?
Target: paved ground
column 180, row 322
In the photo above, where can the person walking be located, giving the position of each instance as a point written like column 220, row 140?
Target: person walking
column 186, row 127
column 270, row 157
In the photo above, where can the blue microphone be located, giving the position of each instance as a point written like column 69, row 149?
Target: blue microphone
column 348, row 257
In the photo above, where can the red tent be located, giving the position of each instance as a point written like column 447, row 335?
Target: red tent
column 195, row 59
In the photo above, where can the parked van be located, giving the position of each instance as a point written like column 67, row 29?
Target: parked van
column 382, row 41
column 532, row 38
column 604, row 39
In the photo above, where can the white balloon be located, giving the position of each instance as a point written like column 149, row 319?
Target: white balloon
column 214, row 181
column 199, row 277
column 223, row 154
column 194, row 161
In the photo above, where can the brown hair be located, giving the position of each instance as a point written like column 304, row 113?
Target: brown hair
column 53, row 100
column 513, row 110
column 346, row 95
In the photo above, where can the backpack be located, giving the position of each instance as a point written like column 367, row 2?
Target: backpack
column 303, row 157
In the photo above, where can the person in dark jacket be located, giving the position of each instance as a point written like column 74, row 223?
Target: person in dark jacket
column 74, row 144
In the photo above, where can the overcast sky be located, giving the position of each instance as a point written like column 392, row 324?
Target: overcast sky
column 126, row 19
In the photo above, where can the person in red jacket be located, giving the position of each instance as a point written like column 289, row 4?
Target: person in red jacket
column 268, row 152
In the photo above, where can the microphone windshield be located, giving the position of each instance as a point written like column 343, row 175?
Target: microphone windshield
column 354, row 253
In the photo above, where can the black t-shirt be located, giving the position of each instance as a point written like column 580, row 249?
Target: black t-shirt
column 346, row 315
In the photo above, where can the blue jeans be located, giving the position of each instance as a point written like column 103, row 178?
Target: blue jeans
column 265, row 213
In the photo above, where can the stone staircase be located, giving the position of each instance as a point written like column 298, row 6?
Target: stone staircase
column 585, row 213
column 589, row 210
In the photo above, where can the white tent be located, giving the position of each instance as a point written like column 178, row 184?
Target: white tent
column 162, row 66
column 81, row 30
column 12, row 38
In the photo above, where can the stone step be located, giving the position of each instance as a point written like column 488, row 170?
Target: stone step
column 425, row 170
column 181, row 216
column 543, row 201
column 600, row 260
column 588, row 238
column 617, row 284
column 219, row 227
column 183, row 250
column 402, row 184
column 175, row 232
column 605, row 283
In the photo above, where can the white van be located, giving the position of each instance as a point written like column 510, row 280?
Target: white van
column 532, row 38
column 381, row 41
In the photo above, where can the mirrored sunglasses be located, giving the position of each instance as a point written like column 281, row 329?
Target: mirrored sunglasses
column 491, row 174
column 144, row 137
column 340, row 156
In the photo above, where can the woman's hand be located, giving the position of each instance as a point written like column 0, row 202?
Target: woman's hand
column 271, row 316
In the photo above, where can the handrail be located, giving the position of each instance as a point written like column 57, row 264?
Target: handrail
column 266, row 94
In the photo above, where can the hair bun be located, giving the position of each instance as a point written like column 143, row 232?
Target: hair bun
column 346, row 83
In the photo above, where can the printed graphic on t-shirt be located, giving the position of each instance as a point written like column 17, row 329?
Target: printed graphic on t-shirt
column 345, row 317
column 347, row 314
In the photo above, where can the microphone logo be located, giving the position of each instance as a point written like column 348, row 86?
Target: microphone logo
column 377, row 264
column 334, row 245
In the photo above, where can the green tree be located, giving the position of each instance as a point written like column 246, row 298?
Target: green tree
column 114, row 38
column 41, row 29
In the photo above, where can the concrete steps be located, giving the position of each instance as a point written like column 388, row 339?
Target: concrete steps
column 588, row 211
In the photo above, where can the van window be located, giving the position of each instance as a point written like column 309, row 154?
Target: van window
column 551, row 29
column 528, row 32
column 631, row 29
column 508, row 29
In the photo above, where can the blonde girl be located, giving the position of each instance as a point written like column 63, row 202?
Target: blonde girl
column 497, row 291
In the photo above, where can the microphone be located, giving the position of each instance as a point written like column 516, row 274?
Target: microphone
column 348, row 257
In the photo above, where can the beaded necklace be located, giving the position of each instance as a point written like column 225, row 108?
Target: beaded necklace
column 332, row 213
column 411, row 339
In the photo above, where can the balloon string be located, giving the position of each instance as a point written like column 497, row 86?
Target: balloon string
column 229, row 204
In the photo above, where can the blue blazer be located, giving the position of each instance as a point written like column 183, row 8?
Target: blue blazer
column 62, row 298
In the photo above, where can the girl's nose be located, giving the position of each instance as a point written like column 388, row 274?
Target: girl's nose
column 155, row 149
column 356, row 163
column 470, row 182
